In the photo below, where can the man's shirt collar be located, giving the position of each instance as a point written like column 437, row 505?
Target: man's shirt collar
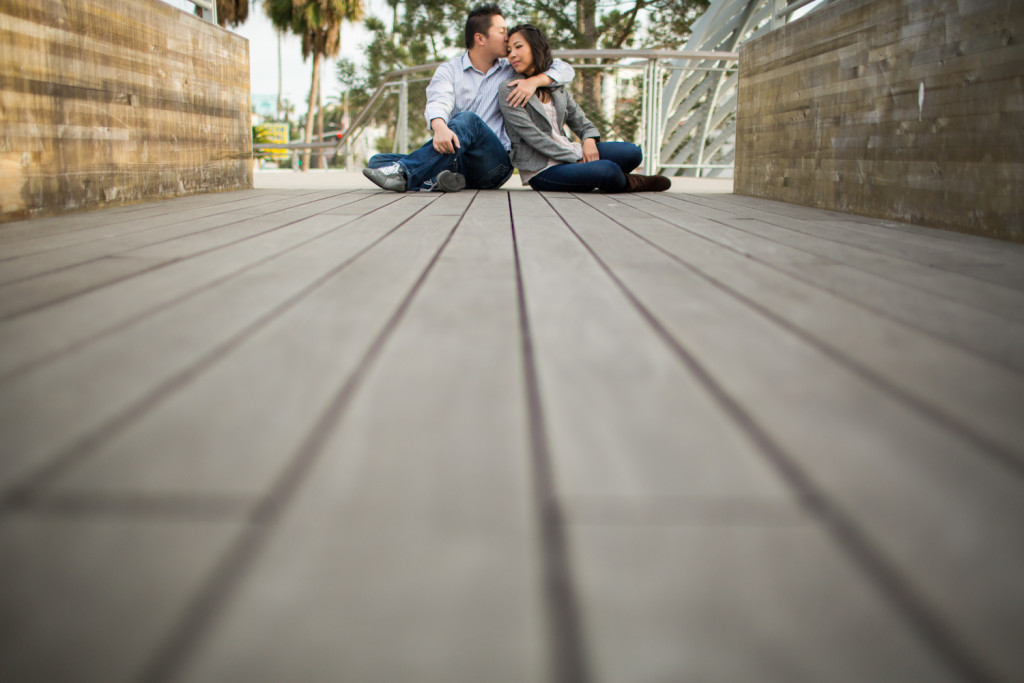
column 466, row 64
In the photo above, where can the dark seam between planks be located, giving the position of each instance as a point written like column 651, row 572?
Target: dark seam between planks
column 126, row 252
column 567, row 648
column 28, row 490
column 996, row 452
column 934, row 631
column 226, row 576
column 176, row 300
column 868, row 250
column 142, row 230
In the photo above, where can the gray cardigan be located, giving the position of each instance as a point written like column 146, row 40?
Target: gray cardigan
column 529, row 129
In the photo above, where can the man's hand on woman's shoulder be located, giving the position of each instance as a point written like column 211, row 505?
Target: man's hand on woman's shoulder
column 520, row 92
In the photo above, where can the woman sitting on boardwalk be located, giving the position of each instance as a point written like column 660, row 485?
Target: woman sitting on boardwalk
column 546, row 159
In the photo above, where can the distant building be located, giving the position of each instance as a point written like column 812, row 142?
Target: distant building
column 264, row 105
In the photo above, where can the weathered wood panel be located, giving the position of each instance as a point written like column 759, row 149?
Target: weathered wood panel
column 111, row 101
column 905, row 109
column 537, row 435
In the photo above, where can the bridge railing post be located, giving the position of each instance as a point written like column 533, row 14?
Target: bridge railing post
column 650, row 115
column 402, row 131
column 206, row 9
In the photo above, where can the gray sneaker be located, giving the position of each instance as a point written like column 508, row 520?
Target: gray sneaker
column 449, row 181
column 390, row 177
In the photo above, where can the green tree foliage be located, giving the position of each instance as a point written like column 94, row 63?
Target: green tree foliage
column 260, row 137
column 421, row 29
column 318, row 23
column 419, row 33
column 670, row 21
column 594, row 24
column 233, row 12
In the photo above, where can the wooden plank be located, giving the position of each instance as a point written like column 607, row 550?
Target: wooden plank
column 44, row 334
column 917, row 248
column 87, row 588
column 15, row 231
column 619, row 407
column 829, row 232
column 938, row 249
column 413, row 534
column 979, row 396
column 141, row 222
column 692, row 600
column 44, row 425
column 924, row 298
column 909, row 499
column 32, row 256
column 885, row 240
column 236, row 450
column 121, row 258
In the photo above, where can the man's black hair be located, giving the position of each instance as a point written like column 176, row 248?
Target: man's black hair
column 479, row 21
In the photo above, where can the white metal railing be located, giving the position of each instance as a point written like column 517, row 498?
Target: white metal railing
column 657, row 65
column 206, row 9
column 653, row 66
column 781, row 15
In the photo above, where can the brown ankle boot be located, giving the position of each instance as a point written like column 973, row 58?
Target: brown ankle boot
column 646, row 183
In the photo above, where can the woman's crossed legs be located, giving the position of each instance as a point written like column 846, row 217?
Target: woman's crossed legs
column 607, row 175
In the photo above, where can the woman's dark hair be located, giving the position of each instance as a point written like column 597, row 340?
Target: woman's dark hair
column 539, row 46
column 479, row 21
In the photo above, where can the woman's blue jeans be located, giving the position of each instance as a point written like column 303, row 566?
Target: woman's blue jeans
column 480, row 157
column 607, row 174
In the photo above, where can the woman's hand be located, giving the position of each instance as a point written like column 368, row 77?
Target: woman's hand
column 590, row 151
column 520, row 92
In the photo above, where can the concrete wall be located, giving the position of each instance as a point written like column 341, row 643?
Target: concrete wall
column 108, row 101
column 910, row 110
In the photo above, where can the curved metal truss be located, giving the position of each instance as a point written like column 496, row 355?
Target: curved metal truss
column 698, row 105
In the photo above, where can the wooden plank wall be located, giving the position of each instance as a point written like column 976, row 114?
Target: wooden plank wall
column 112, row 101
column 910, row 110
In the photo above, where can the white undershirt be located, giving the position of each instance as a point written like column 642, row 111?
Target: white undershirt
column 556, row 135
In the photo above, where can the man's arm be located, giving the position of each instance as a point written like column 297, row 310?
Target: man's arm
column 522, row 90
column 440, row 105
column 560, row 72
column 445, row 139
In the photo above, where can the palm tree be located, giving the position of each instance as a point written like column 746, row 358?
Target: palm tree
column 319, row 24
column 232, row 12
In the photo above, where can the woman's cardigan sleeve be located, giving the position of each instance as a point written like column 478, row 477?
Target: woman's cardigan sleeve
column 577, row 121
column 518, row 119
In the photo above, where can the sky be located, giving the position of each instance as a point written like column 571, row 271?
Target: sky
column 295, row 72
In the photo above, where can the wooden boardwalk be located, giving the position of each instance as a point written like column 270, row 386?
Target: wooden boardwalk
column 345, row 435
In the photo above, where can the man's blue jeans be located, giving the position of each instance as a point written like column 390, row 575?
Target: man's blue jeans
column 607, row 174
column 480, row 157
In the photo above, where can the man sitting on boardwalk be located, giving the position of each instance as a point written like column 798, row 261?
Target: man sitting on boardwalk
column 470, row 146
